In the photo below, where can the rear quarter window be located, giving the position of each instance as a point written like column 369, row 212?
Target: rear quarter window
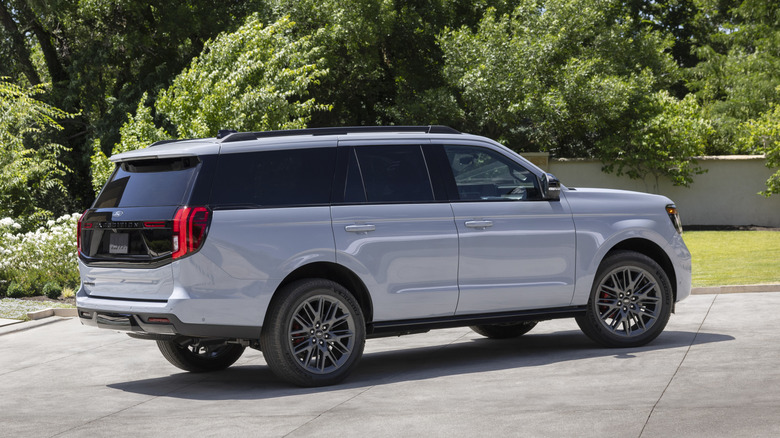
column 274, row 178
column 149, row 183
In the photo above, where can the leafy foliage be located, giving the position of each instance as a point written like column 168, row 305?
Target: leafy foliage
column 384, row 65
column 100, row 57
column 252, row 79
column 740, row 70
column 28, row 175
column 138, row 132
column 52, row 290
column 763, row 134
column 29, row 260
column 577, row 79
column 664, row 145
column 557, row 75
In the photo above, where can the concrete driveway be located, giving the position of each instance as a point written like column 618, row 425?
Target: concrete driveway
column 714, row 372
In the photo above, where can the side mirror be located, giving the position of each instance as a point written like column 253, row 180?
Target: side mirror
column 551, row 187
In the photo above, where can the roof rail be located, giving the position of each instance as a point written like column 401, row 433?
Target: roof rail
column 158, row 143
column 225, row 132
column 429, row 129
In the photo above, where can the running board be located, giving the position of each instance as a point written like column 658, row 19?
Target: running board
column 412, row 326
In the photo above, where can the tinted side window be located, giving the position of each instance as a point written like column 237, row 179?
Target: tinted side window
column 274, row 178
column 149, row 183
column 353, row 188
column 390, row 174
column 485, row 175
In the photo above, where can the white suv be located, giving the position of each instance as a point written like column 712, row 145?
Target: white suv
column 304, row 243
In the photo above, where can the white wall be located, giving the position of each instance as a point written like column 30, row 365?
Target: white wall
column 726, row 195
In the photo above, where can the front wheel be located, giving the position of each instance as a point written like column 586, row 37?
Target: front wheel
column 630, row 301
column 194, row 356
column 314, row 333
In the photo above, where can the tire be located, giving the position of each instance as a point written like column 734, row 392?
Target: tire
column 197, row 358
column 504, row 331
column 314, row 333
column 630, row 301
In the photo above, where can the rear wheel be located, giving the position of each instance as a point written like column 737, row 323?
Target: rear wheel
column 314, row 334
column 504, row 331
column 198, row 357
column 630, row 301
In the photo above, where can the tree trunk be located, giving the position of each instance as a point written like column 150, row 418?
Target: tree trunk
column 53, row 64
column 21, row 51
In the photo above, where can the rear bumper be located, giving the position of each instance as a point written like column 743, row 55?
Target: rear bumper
column 128, row 321
column 162, row 324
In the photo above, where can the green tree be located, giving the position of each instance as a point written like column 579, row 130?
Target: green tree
column 663, row 146
column 137, row 132
column 690, row 22
column 579, row 79
column 100, row 57
column 29, row 175
column 253, row 79
column 384, row 65
column 763, row 134
column 740, row 71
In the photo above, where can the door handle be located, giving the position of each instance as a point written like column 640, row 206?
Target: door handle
column 479, row 224
column 363, row 228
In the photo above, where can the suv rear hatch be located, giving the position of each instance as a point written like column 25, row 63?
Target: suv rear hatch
column 137, row 226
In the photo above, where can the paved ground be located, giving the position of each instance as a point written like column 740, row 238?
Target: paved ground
column 714, row 372
column 4, row 322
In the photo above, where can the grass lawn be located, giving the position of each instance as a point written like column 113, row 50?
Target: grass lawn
column 722, row 258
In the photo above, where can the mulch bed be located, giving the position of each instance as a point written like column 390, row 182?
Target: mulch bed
column 70, row 300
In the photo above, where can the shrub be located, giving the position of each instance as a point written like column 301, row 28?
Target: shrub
column 52, row 290
column 35, row 258
column 16, row 290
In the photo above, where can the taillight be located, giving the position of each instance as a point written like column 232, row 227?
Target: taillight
column 81, row 225
column 189, row 230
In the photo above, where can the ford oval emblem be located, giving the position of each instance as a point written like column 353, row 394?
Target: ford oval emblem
column 118, row 213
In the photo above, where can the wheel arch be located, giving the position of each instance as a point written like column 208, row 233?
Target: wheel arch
column 336, row 273
column 652, row 250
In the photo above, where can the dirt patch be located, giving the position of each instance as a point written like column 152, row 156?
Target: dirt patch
column 70, row 300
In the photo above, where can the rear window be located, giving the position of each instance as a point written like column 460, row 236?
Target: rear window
column 274, row 178
column 149, row 183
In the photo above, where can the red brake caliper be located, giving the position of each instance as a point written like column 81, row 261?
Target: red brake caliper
column 298, row 339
